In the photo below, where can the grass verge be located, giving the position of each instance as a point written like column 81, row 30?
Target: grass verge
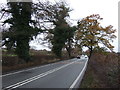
column 102, row 71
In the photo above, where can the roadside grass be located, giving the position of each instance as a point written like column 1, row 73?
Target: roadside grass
column 24, row 65
column 12, row 55
column 11, row 62
column 89, row 80
column 102, row 71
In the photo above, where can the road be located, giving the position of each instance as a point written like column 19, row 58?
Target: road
column 63, row 74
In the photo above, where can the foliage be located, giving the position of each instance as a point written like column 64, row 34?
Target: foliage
column 52, row 20
column 20, row 32
column 70, row 43
column 61, row 35
column 98, row 49
column 60, row 31
column 90, row 33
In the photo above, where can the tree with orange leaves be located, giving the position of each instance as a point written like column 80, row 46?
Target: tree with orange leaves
column 90, row 33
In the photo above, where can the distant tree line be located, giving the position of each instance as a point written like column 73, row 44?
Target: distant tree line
column 26, row 20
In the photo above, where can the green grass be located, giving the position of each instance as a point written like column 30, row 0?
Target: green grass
column 12, row 55
column 89, row 79
column 94, row 77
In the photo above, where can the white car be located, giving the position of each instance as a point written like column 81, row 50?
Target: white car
column 86, row 56
column 82, row 57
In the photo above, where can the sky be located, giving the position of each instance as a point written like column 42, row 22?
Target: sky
column 107, row 9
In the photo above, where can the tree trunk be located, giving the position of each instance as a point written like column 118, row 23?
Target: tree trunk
column 91, row 51
column 22, row 48
column 69, row 50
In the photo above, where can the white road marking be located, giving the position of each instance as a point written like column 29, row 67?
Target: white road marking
column 24, row 70
column 76, row 80
column 36, row 77
column 31, row 69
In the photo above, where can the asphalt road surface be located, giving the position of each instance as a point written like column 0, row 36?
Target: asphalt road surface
column 63, row 74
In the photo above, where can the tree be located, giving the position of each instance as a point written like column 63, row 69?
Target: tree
column 62, row 33
column 56, row 14
column 21, row 29
column 100, row 49
column 70, row 40
column 90, row 33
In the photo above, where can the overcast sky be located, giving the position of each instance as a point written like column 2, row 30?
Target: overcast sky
column 108, row 10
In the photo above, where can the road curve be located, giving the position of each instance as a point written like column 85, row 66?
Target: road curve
column 63, row 74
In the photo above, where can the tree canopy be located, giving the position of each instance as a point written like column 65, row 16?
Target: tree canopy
column 56, row 14
column 20, row 32
column 90, row 33
column 27, row 19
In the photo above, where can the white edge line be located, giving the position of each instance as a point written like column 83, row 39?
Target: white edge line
column 76, row 80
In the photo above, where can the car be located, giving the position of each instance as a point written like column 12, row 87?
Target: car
column 82, row 56
column 86, row 56
column 78, row 57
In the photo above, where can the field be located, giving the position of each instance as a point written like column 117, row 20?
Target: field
column 11, row 62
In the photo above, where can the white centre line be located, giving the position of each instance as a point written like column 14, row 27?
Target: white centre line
column 31, row 69
column 24, row 70
column 36, row 77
